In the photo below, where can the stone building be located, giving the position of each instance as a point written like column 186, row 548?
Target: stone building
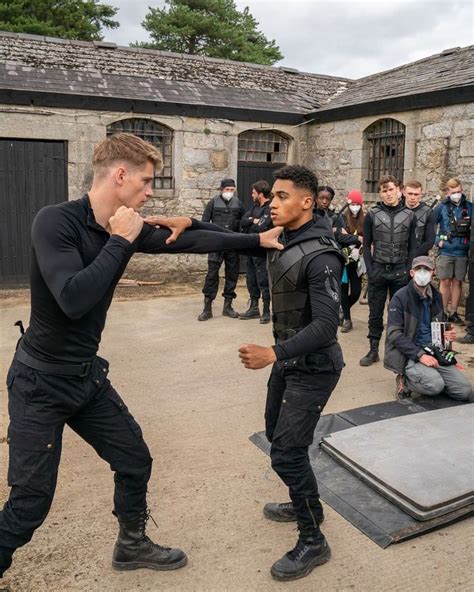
column 213, row 119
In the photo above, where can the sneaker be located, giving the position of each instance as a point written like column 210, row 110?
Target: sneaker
column 300, row 561
column 455, row 318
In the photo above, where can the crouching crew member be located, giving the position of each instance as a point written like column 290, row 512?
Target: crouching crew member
column 307, row 359
column 420, row 365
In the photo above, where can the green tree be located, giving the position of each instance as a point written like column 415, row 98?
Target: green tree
column 69, row 19
column 214, row 28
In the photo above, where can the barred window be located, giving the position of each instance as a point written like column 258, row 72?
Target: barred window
column 158, row 135
column 262, row 146
column 386, row 151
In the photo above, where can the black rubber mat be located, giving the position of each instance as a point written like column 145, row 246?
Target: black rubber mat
column 367, row 510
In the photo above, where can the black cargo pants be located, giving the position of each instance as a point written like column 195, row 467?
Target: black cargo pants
column 211, row 283
column 383, row 279
column 40, row 404
column 298, row 390
column 257, row 278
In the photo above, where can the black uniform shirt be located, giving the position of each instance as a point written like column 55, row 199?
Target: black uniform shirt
column 76, row 265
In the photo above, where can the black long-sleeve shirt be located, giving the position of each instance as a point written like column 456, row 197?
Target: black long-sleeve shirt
column 76, row 266
column 260, row 212
column 323, row 277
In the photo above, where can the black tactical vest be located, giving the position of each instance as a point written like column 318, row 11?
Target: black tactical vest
column 421, row 214
column 227, row 214
column 391, row 232
column 290, row 297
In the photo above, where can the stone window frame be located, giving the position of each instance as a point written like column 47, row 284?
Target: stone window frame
column 390, row 134
column 254, row 144
column 151, row 130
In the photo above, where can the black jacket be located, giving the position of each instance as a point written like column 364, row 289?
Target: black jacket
column 404, row 315
column 262, row 213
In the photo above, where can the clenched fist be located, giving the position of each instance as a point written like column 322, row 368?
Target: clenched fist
column 126, row 223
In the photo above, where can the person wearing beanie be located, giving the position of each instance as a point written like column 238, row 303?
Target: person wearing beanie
column 349, row 234
column 225, row 210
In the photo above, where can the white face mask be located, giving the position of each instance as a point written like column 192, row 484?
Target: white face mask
column 422, row 277
column 355, row 208
column 227, row 195
column 455, row 197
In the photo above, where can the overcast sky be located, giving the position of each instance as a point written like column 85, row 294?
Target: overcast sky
column 346, row 38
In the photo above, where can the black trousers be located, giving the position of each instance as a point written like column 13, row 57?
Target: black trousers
column 257, row 278
column 298, row 390
column 350, row 292
column 382, row 280
column 211, row 283
column 40, row 405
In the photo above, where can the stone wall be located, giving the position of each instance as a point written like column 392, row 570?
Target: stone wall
column 204, row 152
column 439, row 143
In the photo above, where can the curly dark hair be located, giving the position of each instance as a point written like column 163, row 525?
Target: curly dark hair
column 300, row 176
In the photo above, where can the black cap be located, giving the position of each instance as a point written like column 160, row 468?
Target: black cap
column 227, row 183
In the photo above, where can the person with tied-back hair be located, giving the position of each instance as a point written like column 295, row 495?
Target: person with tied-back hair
column 80, row 249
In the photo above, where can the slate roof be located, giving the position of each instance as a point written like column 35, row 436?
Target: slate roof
column 42, row 64
column 167, row 82
column 451, row 69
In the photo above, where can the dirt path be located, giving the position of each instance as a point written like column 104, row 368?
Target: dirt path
column 197, row 406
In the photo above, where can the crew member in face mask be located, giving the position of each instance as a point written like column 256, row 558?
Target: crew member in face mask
column 452, row 240
column 389, row 248
column 349, row 234
column 224, row 210
column 409, row 343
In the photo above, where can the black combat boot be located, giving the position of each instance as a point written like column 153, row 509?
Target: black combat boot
column 207, row 310
column 228, row 311
column 252, row 311
column 285, row 512
column 265, row 317
column 311, row 550
column 134, row 550
column 372, row 355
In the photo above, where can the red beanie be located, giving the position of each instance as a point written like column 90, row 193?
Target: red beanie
column 355, row 197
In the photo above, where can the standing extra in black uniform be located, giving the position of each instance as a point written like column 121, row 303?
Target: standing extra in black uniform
column 307, row 359
column 389, row 248
column 258, row 219
column 425, row 218
column 323, row 202
column 225, row 210
column 80, row 250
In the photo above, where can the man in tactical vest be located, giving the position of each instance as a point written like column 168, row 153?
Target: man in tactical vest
column 224, row 210
column 258, row 219
column 307, row 359
column 425, row 218
column 389, row 248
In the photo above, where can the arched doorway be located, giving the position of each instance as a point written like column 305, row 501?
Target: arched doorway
column 260, row 152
